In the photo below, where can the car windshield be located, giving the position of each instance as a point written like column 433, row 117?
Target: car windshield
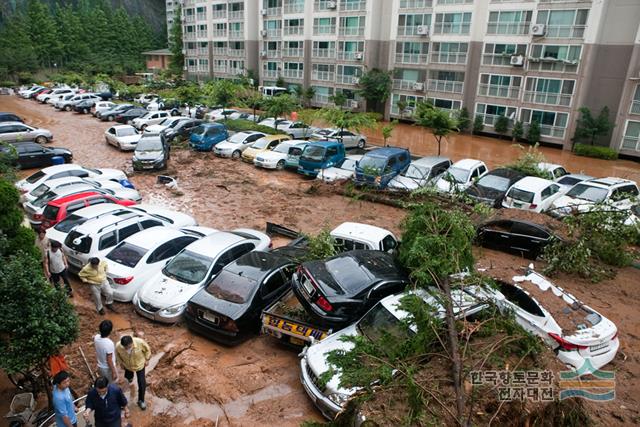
column 238, row 138
column 348, row 165
column 127, row 132
column 231, row 287
column 44, row 199
column 188, row 267
column 521, row 195
column 260, row 144
column 69, row 222
column 588, row 192
column 282, row 148
column 78, row 242
column 149, row 144
column 459, row 175
column 35, row 177
column 370, row 162
column 496, row 182
column 379, row 322
column 416, row 172
column 199, row 130
column 313, row 152
column 569, row 180
column 348, row 273
column 126, row 254
column 39, row 190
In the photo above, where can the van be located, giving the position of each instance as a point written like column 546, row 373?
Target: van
column 269, row 91
column 205, row 136
column 379, row 166
column 320, row 155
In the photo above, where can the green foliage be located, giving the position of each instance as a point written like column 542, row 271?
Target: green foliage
column 387, row 130
column 175, row 43
column 239, row 125
column 598, row 152
column 221, row 92
column 343, row 119
column 8, row 161
column 280, row 106
column 464, row 121
column 501, row 125
column 375, row 87
column 436, row 243
column 533, row 132
column 517, row 132
column 478, row 125
column 280, row 82
column 10, row 215
column 339, row 99
column 321, row 246
column 22, row 240
column 527, row 162
column 402, row 106
column 439, row 121
column 590, row 129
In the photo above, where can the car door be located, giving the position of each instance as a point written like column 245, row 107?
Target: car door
column 112, row 136
column 496, row 235
column 348, row 139
column 274, row 286
column 548, row 195
column 26, row 156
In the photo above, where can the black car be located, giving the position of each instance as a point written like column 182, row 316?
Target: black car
column 10, row 117
column 130, row 114
column 33, row 155
column 228, row 309
column 171, row 105
column 84, row 107
column 110, row 115
column 152, row 152
column 183, row 129
column 339, row 290
column 492, row 187
column 514, row 236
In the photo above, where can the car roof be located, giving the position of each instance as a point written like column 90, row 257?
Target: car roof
column 277, row 136
column 577, row 175
column 548, row 167
column 72, row 197
column 533, row 183
column 96, row 225
column 610, row 181
column 11, row 123
column 325, row 144
column 467, row 163
column 122, row 127
column 213, row 125
column 151, row 237
column 214, row 243
column 51, row 170
column 160, row 211
column 356, row 229
column 96, row 210
column 429, row 161
column 386, row 151
column 256, row 265
column 64, row 180
column 506, row 173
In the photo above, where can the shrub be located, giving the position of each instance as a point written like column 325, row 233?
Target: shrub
column 23, row 240
column 478, row 125
column 501, row 125
column 533, row 133
column 240, row 125
column 518, row 130
column 595, row 151
column 527, row 162
column 10, row 216
column 464, row 121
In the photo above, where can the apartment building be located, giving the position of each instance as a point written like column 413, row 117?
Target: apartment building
column 525, row 59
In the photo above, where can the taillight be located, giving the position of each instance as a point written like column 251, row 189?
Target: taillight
column 122, row 280
column 614, row 336
column 37, row 217
column 270, row 245
column 566, row 345
column 533, row 206
column 324, row 304
column 228, row 325
column 22, row 191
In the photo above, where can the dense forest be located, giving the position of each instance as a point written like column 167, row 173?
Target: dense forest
column 87, row 36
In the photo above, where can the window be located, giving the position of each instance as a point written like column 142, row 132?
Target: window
column 545, row 57
column 408, row 24
column 452, row 23
column 631, row 138
column 552, row 124
column 500, row 85
column 499, row 54
column 563, row 23
column 549, row 91
column 242, row 249
column 449, row 53
column 98, row 201
column 624, row 193
column 332, row 151
column 148, row 223
column 127, row 231
column 273, row 283
column 519, row 298
column 491, row 112
column 352, row 25
column 549, row 191
column 509, row 22
column 107, row 241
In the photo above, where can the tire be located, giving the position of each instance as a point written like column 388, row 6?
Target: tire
column 85, row 111
column 42, row 139
column 143, row 127
column 280, row 165
column 361, row 144
column 292, row 136
column 111, row 118
column 67, row 108
column 174, row 113
column 236, row 155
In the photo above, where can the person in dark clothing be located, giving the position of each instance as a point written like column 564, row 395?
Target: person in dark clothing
column 107, row 403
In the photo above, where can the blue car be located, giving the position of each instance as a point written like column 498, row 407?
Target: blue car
column 320, row 155
column 377, row 167
column 207, row 135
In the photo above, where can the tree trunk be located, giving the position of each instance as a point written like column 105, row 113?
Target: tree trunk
column 439, row 139
column 45, row 383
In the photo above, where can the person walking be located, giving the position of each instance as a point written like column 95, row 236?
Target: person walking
column 106, row 352
column 95, row 274
column 42, row 242
column 133, row 355
column 107, row 403
column 55, row 266
column 63, row 406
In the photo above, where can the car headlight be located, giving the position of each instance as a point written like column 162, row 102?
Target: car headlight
column 135, row 300
column 338, row 398
column 173, row 310
column 159, row 159
column 135, row 159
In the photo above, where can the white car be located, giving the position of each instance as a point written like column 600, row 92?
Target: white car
column 61, row 96
column 239, row 115
column 350, row 236
column 271, row 122
column 26, row 93
column 568, row 181
column 420, row 173
column 218, row 115
column 461, row 175
column 125, row 137
column 59, row 99
column 164, row 297
column 46, row 97
column 66, row 170
column 168, row 216
column 276, row 158
column 59, row 231
column 236, row 144
column 556, row 171
column 531, row 193
column 141, row 256
column 114, row 188
column 576, row 332
column 615, row 192
column 168, row 123
column 102, row 106
column 296, row 130
column 349, row 139
column 345, row 170
column 145, row 98
column 387, row 316
column 67, row 105
column 35, row 208
column 151, row 118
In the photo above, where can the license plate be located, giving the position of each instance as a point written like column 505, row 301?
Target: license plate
column 211, row 318
column 517, row 205
column 147, row 166
column 297, row 341
column 598, row 347
column 306, row 284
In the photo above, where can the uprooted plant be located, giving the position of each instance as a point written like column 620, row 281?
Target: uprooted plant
column 527, row 162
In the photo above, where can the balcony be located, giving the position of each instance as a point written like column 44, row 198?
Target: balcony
column 236, row 34
column 219, row 69
column 324, row 29
column 203, row 68
column 552, row 131
column 497, row 59
column 351, row 6
column 352, row 32
column 201, row 17
column 410, row 31
column 551, row 64
column 325, row 76
column 452, row 28
column 270, row 74
column 189, row 2
column 415, row 4
column 236, row 14
column 236, row 71
column 350, row 56
column 189, row 19
column 565, row 1
column 221, row 51
column 292, row 31
column 411, row 58
column 565, row 31
column 323, row 53
column 630, row 143
column 498, row 91
column 274, row 53
column 192, row 52
column 274, row 11
column 293, row 8
column 448, row 86
column 219, row 14
column 449, row 58
column 219, row 33
column 321, row 99
column 190, row 36
column 236, row 52
column 274, row 32
column 293, row 52
column 450, row 2
column 399, row 84
column 347, row 79
column 548, row 98
column 508, row 28
column 293, row 74
column 203, row 51
column 490, row 119
column 635, row 107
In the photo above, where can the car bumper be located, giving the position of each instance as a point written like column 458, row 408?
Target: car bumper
column 155, row 315
column 327, row 407
column 218, row 335
column 220, row 153
column 153, row 165
column 265, row 165
column 576, row 360
column 306, row 172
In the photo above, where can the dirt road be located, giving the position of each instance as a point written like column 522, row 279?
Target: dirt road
column 257, row 383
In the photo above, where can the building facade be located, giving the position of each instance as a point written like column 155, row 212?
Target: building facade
column 528, row 60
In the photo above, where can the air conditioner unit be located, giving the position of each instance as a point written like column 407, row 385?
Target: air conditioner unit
column 263, row 53
column 422, row 30
column 358, row 55
column 538, row 30
column 263, row 12
column 356, row 80
column 263, row 33
column 184, row 51
column 353, row 103
column 517, row 60
column 332, row 5
column 418, row 86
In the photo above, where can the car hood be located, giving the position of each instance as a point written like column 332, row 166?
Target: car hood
column 445, row 186
column 566, row 201
column 335, row 173
column 272, row 155
column 61, row 151
column 252, row 151
column 230, row 146
column 400, row 182
column 162, row 291
column 148, row 155
column 485, row 193
column 111, row 174
column 226, row 308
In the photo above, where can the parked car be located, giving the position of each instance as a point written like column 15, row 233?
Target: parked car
column 276, row 158
column 296, row 130
column 492, row 187
column 378, row 167
column 568, row 181
column 38, row 92
column 46, row 97
column 59, row 231
column 110, row 115
column 244, row 116
column 102, row 106
column 237, row 143
column 340, row 289
column 515, row 236
column 320, row 155
column 84, row 107
column 556, row 171
column 67, row 105
column 152, row 152
column 228, row 308
column 27, row 93
column 262, row 145
column 149, row 118
column 183, row 129
column 272, row 122
column 461, row 175
column 60, row 171
column 145, row 98
column 531, row 193
column 32, row 155
column 166, row 124
column 348, row 138
column 125, row 137
column 58, row 100
column 141, row 256
column 218, row 115
column 344, row 170
column 164, row 297
column 61, row 96
column 582, row 197
column 421, row 172
column 127, row 117
column 110, row 187
column 18, row 132
column 293, row 156
column 10, row 117
column 207, row 135
column 57, row 210
column 34, row 208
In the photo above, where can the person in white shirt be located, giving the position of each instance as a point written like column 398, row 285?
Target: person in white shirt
column 42, row 242
column 55, row 266
column 106, row 352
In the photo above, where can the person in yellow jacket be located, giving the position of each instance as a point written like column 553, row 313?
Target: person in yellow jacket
column 95, row 274
column 133, row 355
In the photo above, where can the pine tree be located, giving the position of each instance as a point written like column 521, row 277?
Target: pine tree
column 533, row 133
column 43, row 33
column 176, row 44
column 478, row 125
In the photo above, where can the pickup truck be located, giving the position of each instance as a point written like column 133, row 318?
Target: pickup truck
column 286, row 319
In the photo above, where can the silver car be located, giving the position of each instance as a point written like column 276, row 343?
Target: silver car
column 16, row 131
column 348, row 138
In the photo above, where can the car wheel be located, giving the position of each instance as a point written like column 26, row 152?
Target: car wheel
column 85, row 111
column 174, row 113
column 361, row 143
column 42, row 139
column 143, row 127
column 280, row 165
column 67, row 108
column 110, row 118
column 292, row 136
column 236, row 155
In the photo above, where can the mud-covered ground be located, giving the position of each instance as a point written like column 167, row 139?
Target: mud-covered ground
column 195, row 382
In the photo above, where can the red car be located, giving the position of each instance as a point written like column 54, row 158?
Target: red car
column 58, row 209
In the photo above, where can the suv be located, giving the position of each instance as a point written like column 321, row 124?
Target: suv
column 616, row 192
column 320, row 155
column 378, row 167
column 57, row 210
column 420, row 173
column 461, row 175
column 95, row 238
column 152, row 152
column 69, row 104
column 18, row 131
column 151, row 118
